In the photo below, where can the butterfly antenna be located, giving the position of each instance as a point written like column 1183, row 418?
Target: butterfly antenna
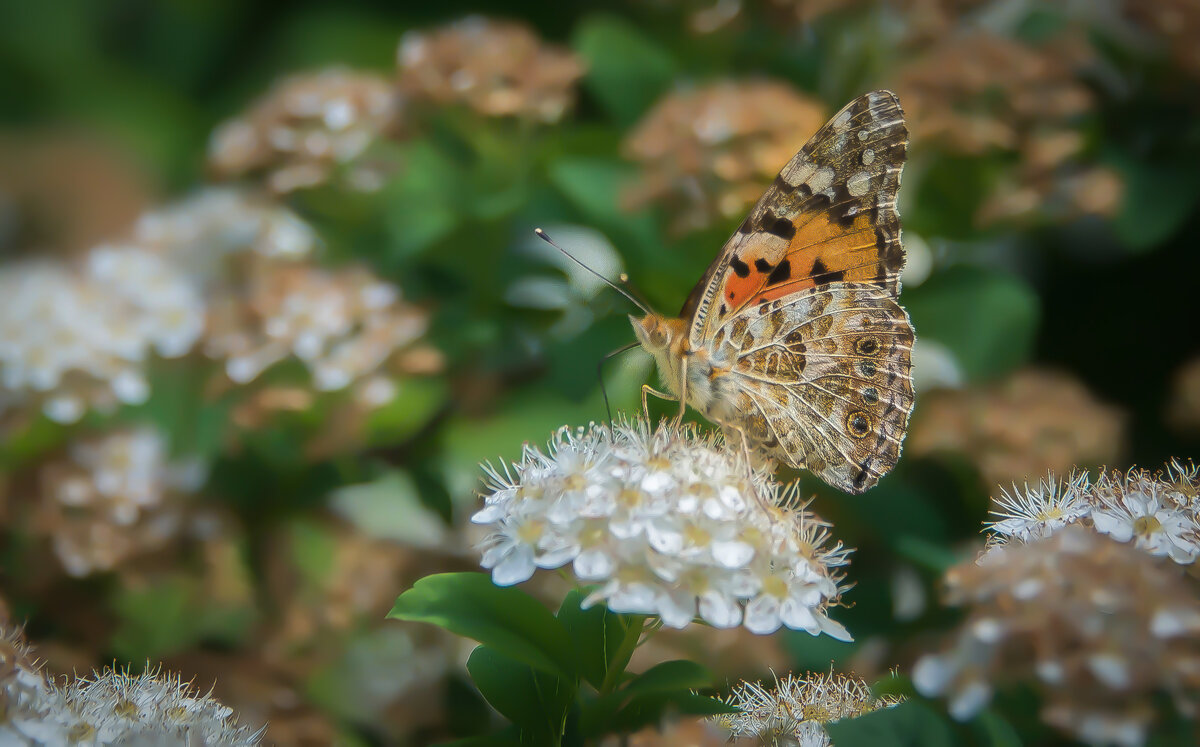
column 636, row 302
column 600, row 374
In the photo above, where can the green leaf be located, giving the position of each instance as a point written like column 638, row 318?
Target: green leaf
column 627, row 71
column 650, row 709
column 415, row 403
column 1158, row 198
column 504, row 618
column 390, row 508
column 536, row 702
column 598, row 637
column 644, row 698
column 995, row 730
column 910, row 724
column 509, row 736
column 668, row 676
column 423, row 200
column 988, row 319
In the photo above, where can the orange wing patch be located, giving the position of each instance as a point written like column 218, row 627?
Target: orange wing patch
column 830, row 216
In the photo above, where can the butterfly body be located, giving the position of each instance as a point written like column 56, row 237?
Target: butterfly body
column 794, row 340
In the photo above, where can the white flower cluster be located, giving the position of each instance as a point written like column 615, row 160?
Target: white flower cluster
column 109, row 708
column 115, row 496
column 202, row 229
column 343, row 326
column 795, row 710
column 1160, row 513
column 665, row 522
column 74, row 338
column 1101, row 628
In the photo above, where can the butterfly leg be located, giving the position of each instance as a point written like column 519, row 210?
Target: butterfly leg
column 646, row 390
column 683, row 366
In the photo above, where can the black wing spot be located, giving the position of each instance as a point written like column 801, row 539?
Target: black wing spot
column 822, row 274
column 746, row 226
column 762, row 265
column 870, row 395
column 781, row 227
column 783, row 185
column 723, row 310
column 781, row 274
column 861, row 478
column 881, row 240
column 868, row 369
column 741, row 268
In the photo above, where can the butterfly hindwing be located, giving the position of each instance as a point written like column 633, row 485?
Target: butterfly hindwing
column 830, row 216
column 821, row 380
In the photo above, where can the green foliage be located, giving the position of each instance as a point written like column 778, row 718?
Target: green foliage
column 557, row 679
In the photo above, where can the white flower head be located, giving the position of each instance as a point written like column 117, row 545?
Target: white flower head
column 1040, row 510
column 666, row 522
column 109, row 707
column 1154, row 514
column 795, row 710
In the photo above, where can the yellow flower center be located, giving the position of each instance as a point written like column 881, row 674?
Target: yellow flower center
column 574, row 482
column 630, row 498
column 696, row 536
column 775, row 586
column 1146, row 525
column 531, row 531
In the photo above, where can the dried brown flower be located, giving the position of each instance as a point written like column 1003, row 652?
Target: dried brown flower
column 1033, row 422
column 113, row 497
column 305, row 127
column 978, row 93
column 1177, row 22
column 64, row 191
column 916, row 20
column 708, row 153
column 1183, row 410
column 497, row 68
column 1097, row 625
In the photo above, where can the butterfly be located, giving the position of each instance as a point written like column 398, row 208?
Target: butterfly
column 793, row 340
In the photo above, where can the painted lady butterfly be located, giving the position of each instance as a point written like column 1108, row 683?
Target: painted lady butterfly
column 793, row 341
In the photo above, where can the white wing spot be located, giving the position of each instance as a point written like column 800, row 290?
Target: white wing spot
column 842, row 121
column 859, row 184
column 868, row 157
column 821, row 180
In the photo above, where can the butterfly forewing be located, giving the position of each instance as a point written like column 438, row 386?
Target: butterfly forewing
column 809, row 350
column 829, row 216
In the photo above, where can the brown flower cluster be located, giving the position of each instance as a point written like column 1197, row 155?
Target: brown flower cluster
column 1183, row 410
column 1034, row 421
column 113, row 497
column 978, row 93
column 710, row 152
column 305, row 127
column 1177, row 22
column 919, row 19
column 497, row 68
column 312, row 127
column 1101, row 627
column 347, row 327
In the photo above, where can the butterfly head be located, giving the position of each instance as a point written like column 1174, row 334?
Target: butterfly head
column 664, row 338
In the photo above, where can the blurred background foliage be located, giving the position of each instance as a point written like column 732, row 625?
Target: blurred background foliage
column 340, row 198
